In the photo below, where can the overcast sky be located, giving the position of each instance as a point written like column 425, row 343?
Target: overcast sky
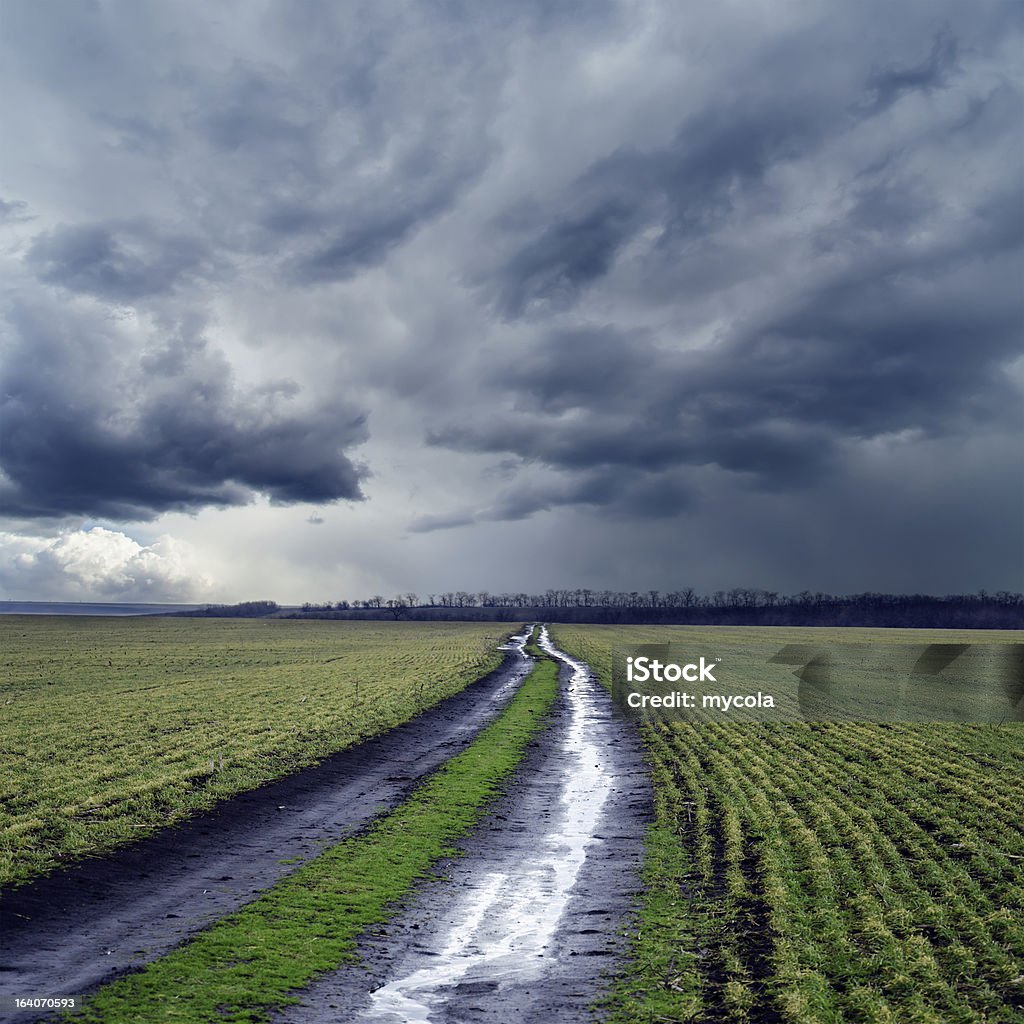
column 307, row 301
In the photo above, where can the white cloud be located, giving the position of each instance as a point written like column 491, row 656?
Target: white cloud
column 99, row 564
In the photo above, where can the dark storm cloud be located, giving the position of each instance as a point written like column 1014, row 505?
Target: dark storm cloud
column 351, row 159
column 366, row 239
column 718, row 157
column 254, row 112
column 121, row 263
column 931, row 73
column 354, row 250
column 342, row 134
column 566, row 257
column 574, row 365
column 614, row 493
column 868, row 357
column 907, row 329
column 92, row 427
column 857, row 360
column 623, row 254
column 800, row 95
column 308, row 159
column 897, row 345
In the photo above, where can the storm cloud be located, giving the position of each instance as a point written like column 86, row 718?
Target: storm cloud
column 898, row 316
column 100, row 418
column 119, row 263
column 616, row 276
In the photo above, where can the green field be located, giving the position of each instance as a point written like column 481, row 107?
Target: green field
column 311, row 921
column 108, row 726
column 825, row 872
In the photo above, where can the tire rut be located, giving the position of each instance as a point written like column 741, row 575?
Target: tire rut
column 526, row 926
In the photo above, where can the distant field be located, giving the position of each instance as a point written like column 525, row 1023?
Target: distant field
column 108, row 726
column 826, row 872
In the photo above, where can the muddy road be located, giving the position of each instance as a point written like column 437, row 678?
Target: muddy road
column 71, row 931
column 525, row 926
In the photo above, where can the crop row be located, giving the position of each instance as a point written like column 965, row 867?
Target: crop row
column 827, row 872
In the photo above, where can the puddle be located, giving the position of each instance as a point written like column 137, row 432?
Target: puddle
column 501, row 928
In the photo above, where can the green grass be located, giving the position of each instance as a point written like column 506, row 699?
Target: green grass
column 825, row 872
column 108, row 726
column 310, row 922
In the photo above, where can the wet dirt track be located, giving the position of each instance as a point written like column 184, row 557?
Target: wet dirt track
column 525, row 927
column 71, row 931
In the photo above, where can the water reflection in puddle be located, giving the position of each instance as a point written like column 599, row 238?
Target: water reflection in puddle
column 503, row 923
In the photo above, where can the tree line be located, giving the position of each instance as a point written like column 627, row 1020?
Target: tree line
column 739, row 606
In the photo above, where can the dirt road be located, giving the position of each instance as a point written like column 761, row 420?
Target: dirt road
column 69, row 932
column 524, row 927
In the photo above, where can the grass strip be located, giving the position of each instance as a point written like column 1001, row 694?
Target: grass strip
column 661, row 983
column 310, row 922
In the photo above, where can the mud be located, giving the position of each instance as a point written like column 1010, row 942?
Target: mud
column 527, row 925
column 73, row 930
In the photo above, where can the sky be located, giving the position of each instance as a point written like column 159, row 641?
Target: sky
column 312, row 301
